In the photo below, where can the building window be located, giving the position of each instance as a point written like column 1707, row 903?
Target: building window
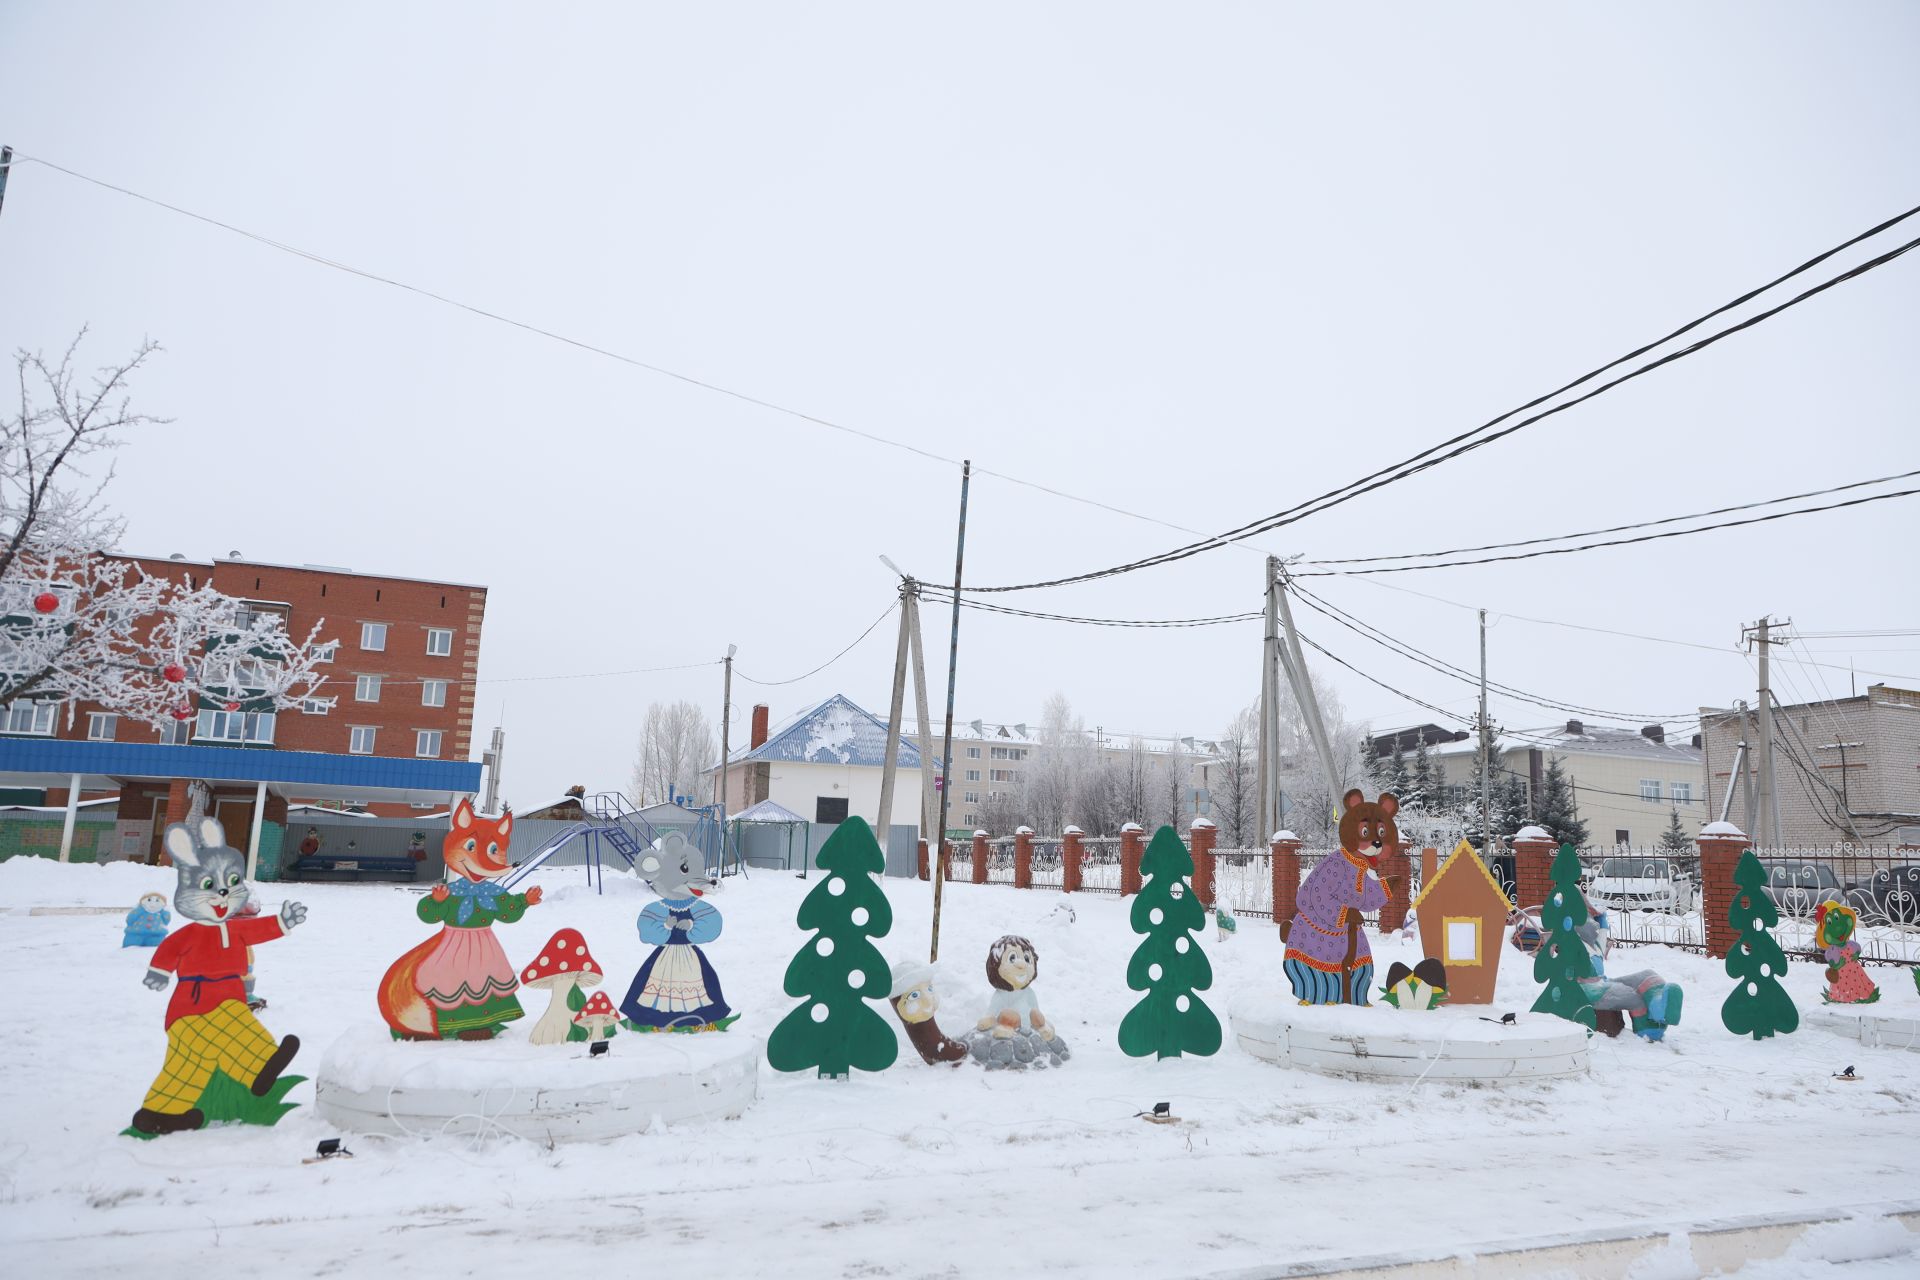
column 1009, row 753
column 973, row 775
column 235, row 726
column 360, row 741
column 1462, row 940
column 973, row 753
column 326, row 652
column 373, row 637
column 1683, row 793
column 828, row 810
column 1002, row 775
column 366, row 688
column 1650, row 789
column 1622, row 837
column 102, row 726
column 313, row 706
column 433, row 693
column 973, row 797
column 439, row 642
column 28, row 717
column 426, row 743
column 175, row 734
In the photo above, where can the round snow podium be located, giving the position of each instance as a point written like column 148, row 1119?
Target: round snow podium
column 1383, row 1043
column 369, row 1082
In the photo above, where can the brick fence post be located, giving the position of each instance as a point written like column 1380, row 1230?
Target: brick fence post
column 1070, row 857
column 1132, row 841
column 1721, row 844
column 922, row 868
column 1200, row 838
column 1023, row 858
column 979, row 857
column 1398, row 867
column 1286, row 875
column 1533, row 851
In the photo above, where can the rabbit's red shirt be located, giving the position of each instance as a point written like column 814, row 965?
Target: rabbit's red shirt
column 211, row 960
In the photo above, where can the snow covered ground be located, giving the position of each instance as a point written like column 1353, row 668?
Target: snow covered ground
column 916, row 1171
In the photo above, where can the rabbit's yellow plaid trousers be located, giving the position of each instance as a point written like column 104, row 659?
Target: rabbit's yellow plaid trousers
column 229, row 1038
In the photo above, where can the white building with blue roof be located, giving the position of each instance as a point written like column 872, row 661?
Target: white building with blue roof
column 825, row 765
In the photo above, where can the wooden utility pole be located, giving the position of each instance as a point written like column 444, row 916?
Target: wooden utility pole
column 1761, row 634
column 1296, row 670
column 726, row 716
column 935, row 850
column 1486, row 773
column 1269, row 804
column 909, row 592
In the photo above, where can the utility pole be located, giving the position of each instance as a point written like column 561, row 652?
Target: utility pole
column 1269, row 798
column 1486, row 778
column 491, row 759
column 946, row 746
column 909, row 594
column 1761, row 634
column 6, row 166
column 726, row 722
column 1296, row 670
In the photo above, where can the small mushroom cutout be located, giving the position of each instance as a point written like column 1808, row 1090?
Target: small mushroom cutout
column 563, row 964
column 598, row 1017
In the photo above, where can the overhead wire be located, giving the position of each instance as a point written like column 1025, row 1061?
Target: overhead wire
column 1477, row 437
column 771, row 684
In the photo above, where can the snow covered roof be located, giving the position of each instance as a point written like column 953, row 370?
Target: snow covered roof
column 1723, row 829
column 769, row 811
column 1592, row 740
column 834, row 732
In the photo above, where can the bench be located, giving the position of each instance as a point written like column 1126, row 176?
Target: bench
column 325, row 866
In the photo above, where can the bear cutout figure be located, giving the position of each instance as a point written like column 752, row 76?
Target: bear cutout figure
column 1328, row 959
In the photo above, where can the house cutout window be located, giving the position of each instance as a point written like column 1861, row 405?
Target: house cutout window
column 1462, row 940
column 829, row 809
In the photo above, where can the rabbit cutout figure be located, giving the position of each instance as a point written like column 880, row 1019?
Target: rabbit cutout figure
column 209, row 1027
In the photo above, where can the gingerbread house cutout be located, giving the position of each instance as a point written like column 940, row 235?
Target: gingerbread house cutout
column 1462, row 912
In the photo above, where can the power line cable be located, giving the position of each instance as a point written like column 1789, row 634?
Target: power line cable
column 770, row 684
column 702, row 383
column 1622, row 528
column 1465, row 442
column 1619, row 542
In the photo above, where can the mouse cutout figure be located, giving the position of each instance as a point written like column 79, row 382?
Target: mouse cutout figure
column 676, row 989
column 458, row 984
column 209, row 1026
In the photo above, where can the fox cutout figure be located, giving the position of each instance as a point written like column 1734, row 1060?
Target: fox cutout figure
column 458, row 984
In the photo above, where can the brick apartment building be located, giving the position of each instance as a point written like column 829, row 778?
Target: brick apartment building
column 405, row 652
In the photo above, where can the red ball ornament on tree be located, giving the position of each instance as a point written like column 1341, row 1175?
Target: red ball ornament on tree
column 46, row 602
column 174, row 673
column 183, row 713
column 232, row 706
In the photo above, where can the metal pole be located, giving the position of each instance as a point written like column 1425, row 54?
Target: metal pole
column 259, row 823
column 891, row 764
column 73, row 811
column 1739, row 765
column 1270, row 709
column 1303, row 694
column 726, row 723
column 1486, row 779
column 1769, row 789
column 6, row 164
column 946, row 748
column 492, row 804
column 925, row 717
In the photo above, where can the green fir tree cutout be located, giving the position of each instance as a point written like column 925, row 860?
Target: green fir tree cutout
column 227, row 1101
column 839, row 970
column 1169, row 966
column 1759, row 1006
column 1562, row 960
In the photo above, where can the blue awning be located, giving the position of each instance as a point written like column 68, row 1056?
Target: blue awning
column 45, row 762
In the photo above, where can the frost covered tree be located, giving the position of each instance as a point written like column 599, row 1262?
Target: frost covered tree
column 676, row 749
column 1236, row 782
column 1314, row 806
column 1556, row 808
column 77, row 623
column 1060, row 759
column 1675, row 840
column 1136, row 786
column 1171, row 782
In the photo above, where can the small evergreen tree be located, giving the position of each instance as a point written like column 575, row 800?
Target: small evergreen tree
column 1675, row 840
column 1425, row 783
column 1397, row 780
column 1168, row 965
column 1562, row 960
column 1557, row 810
column 1372, row 766
column 1759, row 1006
column 1509, row 804
column 839, row 970
column 1472, row 820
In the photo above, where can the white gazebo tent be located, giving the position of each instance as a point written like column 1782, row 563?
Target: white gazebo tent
column 770, row 814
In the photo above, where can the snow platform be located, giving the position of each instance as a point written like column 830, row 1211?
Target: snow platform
column 371, row 1083
column 1874, row 1030
column 1384, row 1043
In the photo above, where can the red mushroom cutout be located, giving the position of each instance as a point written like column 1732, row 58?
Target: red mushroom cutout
column 564, row 963
column 598, row 1017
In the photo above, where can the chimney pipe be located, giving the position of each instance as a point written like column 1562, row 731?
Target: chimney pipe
column 1655, row 733
column 759, row 737
column 1575, row 729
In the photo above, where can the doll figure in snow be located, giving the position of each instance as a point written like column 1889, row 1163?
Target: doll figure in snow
column 1847, row 981
column 676, row 989
column 209, row 1027
column 1651, row 1002
column 1015, row 1033
column 147, row 922
column 458, row 984
column 914, row 1003
column 1328, row 959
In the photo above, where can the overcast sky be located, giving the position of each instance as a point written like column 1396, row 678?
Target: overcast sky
column 1198, row 262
